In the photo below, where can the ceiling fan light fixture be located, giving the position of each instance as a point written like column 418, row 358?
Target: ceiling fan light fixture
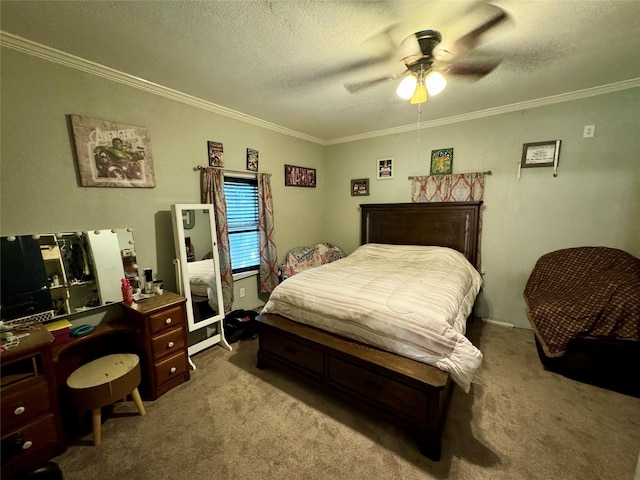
column 407, row 86
column 435, row 82
column 420, row 95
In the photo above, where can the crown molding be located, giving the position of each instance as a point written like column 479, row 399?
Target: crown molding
column 57, row 56
column 514, row 107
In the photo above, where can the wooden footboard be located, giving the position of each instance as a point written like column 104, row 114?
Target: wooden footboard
column 410, row 394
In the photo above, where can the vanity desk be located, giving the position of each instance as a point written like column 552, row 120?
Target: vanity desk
column 31, row 426
column 154, row 329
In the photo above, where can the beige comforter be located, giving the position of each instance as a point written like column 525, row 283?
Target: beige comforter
column 409, row 300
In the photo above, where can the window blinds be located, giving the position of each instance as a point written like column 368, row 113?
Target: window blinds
column 242, row 219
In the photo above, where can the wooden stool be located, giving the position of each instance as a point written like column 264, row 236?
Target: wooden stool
column 103, row 381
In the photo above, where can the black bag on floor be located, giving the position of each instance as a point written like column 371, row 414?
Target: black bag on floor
column 240, row 325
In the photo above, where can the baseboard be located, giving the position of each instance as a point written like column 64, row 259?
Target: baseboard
column 496, row 322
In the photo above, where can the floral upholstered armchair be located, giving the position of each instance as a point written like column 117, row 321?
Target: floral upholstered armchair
column 302, row 258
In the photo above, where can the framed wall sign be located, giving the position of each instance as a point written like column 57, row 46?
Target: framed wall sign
column 252, row 160
column 441, row 162
column 359, row 187
column 540, row 154
column 112, row 154
column 384, row 168
column 299, row 176
column 216, row 155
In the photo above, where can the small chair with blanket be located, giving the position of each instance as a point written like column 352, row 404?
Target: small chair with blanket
column 301, row 258
column 584, row 307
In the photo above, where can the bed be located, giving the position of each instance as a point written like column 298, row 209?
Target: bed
column 397, row 385
column 202, row 282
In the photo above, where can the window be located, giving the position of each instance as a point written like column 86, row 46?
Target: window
column 242, row 220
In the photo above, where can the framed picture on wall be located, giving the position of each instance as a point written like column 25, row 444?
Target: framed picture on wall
column 540, row 154
column 299, row 176
column 384, row 168
column 359, row 187
column 111, row 154
column 441, row 162
column 216, row 155
column 252, row 160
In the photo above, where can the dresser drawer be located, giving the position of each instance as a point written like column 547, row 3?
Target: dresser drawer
column 171, row 367
column 36, row 436
column 19, row 405
column 307, row 357
column 166, row 319
column 168, row 343
column 398, row 397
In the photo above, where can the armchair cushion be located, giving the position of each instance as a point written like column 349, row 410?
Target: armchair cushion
column 583, row 291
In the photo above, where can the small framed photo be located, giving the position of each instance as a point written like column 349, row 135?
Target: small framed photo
column 252, row 160
column 359, row 187
column 299, row 176
column 540, row 154
column 441, row 162
column 384, row 168
column 216, row 158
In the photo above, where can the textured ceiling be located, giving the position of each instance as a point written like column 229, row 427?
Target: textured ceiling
column 286, row 62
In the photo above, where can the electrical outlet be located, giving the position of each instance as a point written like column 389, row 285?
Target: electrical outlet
column 589, row 131
column 242, row 293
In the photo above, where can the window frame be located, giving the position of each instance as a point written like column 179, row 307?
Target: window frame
column 242, row 272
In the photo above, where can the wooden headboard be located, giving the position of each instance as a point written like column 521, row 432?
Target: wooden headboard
column 454, row 225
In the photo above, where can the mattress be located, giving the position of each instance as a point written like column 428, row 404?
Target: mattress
column 409, row 300
column 202, row 281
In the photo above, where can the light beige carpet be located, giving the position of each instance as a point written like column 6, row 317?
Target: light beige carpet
column 233, row 421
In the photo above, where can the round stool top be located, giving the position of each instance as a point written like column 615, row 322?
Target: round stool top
column 103, row 370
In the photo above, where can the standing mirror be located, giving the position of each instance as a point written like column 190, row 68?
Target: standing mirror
column 198, row 273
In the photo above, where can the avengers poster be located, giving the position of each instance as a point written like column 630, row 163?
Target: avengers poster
column 112, row 154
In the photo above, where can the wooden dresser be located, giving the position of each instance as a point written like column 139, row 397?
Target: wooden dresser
column 31, row 425
column 162, row 338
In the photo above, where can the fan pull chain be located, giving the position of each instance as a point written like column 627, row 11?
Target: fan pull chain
column 418, row 145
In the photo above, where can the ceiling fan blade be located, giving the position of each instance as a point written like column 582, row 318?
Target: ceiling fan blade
column 355, row 87
column 358, row 86
column 384, row 46
column 476, row 69
column 471, row 39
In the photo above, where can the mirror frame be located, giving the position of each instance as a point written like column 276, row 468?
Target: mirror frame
column 178, row 217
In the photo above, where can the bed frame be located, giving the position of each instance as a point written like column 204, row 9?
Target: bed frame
column 408, row 393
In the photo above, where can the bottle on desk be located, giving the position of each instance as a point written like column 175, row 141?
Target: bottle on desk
column 127, row 291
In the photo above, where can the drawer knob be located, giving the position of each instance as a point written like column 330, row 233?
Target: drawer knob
column 167, row 321
column 173, row 369
column 19, row 411
column 27, row 444
column 170, row 344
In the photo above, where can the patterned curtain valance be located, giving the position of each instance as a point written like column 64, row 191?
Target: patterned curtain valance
column 456, row 187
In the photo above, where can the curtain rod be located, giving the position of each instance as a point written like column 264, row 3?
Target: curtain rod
column 488, row 172
column 247, row 172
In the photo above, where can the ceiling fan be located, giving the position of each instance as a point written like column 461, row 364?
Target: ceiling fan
column 426, row 66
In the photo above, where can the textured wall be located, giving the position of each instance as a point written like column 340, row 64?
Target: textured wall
column 40, row 191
